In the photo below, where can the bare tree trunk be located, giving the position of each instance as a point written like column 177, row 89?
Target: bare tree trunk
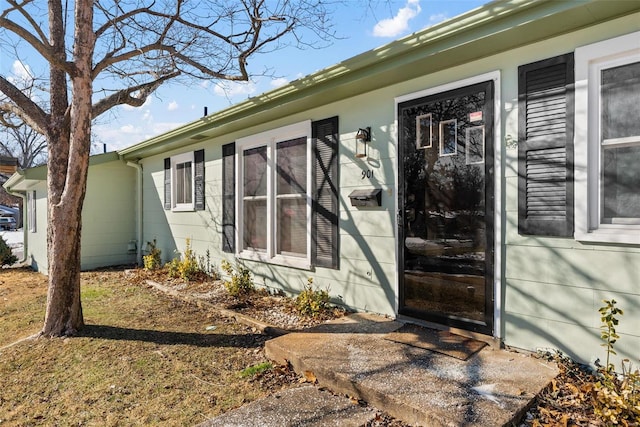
column 69, row 146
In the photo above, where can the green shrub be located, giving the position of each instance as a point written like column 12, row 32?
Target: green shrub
column 616, row 397
column 312, row 302
column 152, row 260
column 6, row 255
column 186, row 267
column 241, row 282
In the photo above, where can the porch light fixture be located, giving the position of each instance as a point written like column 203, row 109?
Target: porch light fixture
column 363, row 137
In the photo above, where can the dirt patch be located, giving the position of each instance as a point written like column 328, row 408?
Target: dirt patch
column 273, row 309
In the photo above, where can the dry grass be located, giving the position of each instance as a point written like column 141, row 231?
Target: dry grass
column 142, row 359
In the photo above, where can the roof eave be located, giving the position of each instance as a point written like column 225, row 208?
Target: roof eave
column 492, row 28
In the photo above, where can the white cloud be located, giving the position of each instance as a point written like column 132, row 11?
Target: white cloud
column 395, row 26
column 21, row 72
column 128, row 129
column 232, row 89
column 173, row 106
column 279, row 82
column 437, row 18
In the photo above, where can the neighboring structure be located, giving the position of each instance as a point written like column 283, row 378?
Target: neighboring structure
column 480, row 174
column 10, row 205
column 109, row 231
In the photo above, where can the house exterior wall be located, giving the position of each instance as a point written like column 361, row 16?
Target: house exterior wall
column 109, row 219
column 555, row 286
column 548, row 289
column 109, row 216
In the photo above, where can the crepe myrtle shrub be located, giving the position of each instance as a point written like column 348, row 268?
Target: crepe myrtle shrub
column 312, row 302
column 240, row 281
column 152, row 260
column 616, row 396
column 6, row 255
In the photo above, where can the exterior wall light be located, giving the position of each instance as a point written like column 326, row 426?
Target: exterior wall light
column 363, row 137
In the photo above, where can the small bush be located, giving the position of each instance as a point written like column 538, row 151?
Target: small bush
column 186, row 267
column 312, row 302
column 6, row 255
column 616, row 397
column 241, row 282
column 152, row 260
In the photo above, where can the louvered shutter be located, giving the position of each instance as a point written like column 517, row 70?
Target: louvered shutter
column 545, row 147
column 167, row 183
column 198, row 179
column 324, row 228
column 228, row 197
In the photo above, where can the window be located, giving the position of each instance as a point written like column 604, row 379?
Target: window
column 182, row 174
column 275, row 175
column 31, row 210
column 275, row 189
column 184, row 181
column 608, row 141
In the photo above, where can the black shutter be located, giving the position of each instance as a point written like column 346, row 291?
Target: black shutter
column 324, row 229
column 228, row 197
column 198, row 179
column 545, row 147
column 167, row 183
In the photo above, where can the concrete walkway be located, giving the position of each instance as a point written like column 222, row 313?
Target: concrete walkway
column 420, row 387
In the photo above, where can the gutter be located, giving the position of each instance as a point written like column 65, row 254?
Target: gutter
column 138, row 168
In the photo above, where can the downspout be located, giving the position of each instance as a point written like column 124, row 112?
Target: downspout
column 25, row 228
column 138, row 168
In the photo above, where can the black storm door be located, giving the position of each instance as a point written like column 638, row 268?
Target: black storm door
column 446, row 207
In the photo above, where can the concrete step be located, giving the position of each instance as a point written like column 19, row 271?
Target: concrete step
column 420, row 387
column 306, row 406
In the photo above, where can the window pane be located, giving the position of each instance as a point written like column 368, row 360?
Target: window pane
column 292, row 166
column 621, row 101
column 292, row 226
column 255, row 225
column 183, row 183
column 621, row 184
column 255, row 171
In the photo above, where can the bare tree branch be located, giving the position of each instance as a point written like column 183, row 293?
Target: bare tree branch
column 125, row 96
column 22, row 106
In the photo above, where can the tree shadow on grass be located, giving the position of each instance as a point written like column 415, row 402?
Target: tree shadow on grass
column 211, row 339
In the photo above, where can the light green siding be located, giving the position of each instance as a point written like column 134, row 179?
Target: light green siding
column 109, row 220
column 548, row 290
column 109, row 216
column 553, row 287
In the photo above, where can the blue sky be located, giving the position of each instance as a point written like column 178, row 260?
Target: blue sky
column 360, row 29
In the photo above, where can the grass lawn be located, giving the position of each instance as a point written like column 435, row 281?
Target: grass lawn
column 142, row 359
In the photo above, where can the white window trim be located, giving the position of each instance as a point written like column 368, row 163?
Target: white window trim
column 270, row 138
column 589, row 61
column 31, row 211
column 175, row 160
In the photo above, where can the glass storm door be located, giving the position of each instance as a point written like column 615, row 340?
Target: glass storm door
column 445, row 202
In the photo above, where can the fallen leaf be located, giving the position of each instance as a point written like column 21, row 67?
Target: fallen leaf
column 310, row 377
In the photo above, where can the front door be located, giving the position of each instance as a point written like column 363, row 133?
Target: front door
column 445, row 202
